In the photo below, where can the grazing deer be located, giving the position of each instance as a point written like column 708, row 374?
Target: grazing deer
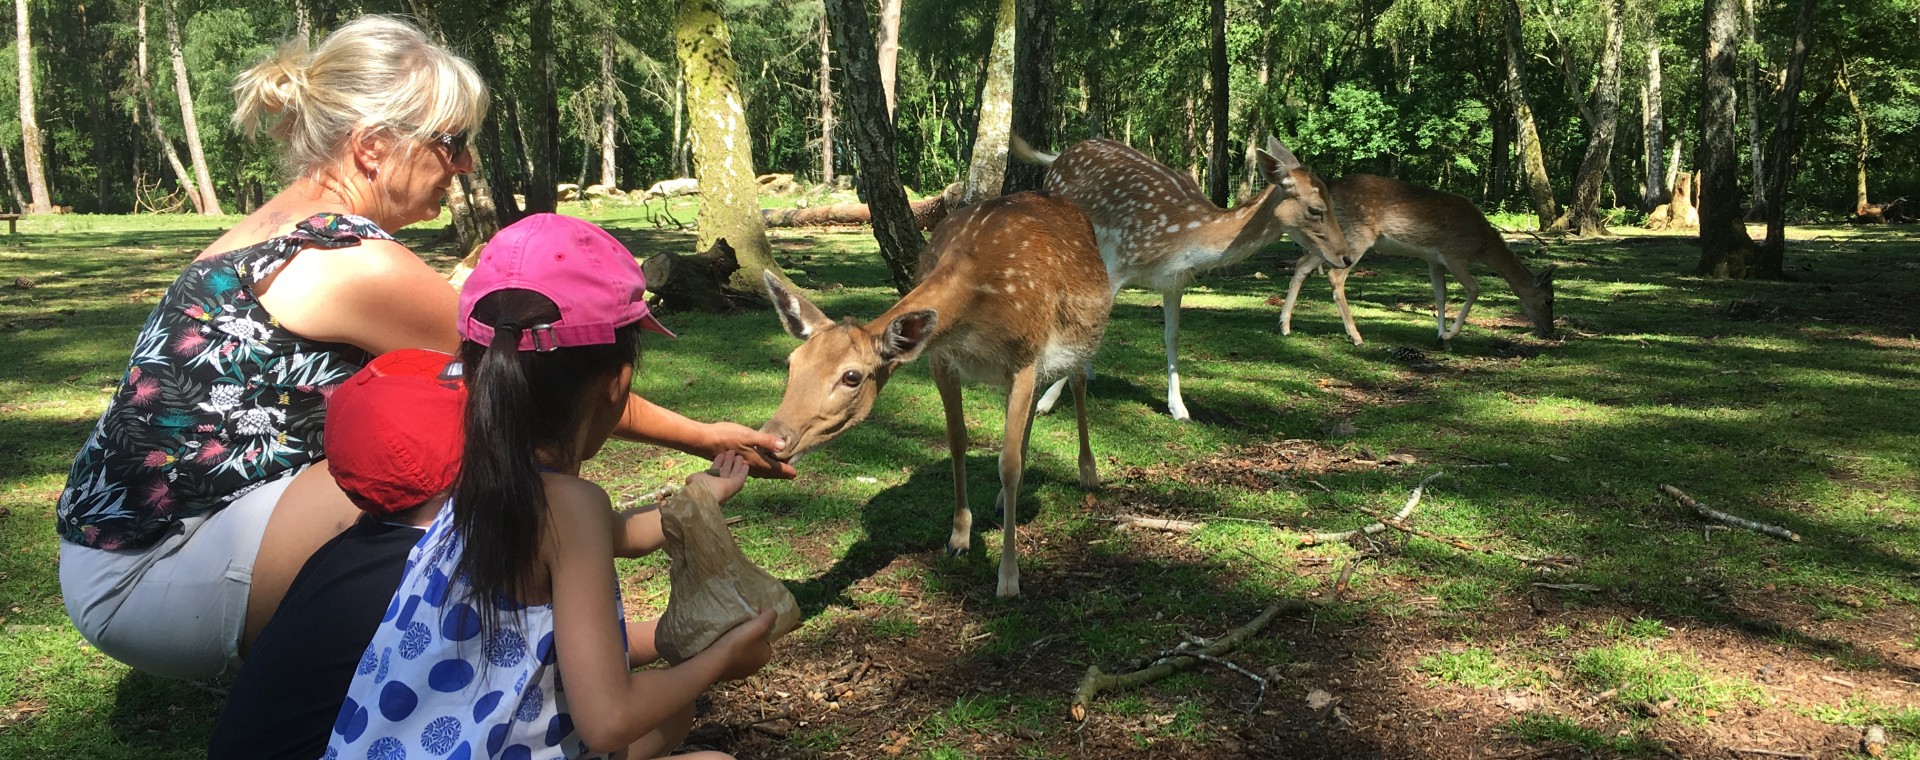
column 1446, row 230
column 1012, row 294
column 1157, row 230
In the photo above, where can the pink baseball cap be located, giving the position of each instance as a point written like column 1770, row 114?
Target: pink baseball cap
column 592, row 278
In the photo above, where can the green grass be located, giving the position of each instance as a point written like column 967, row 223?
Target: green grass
column 1558, row 729
column 1641, row 674
column 1802, row 416
column 1475, row 667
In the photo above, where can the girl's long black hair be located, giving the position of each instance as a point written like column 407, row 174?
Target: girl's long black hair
column 520, row 404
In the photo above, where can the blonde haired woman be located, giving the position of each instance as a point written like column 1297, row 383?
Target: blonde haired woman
column 202, row 489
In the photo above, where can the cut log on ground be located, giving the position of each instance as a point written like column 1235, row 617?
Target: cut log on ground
column 1891, row 212
column 927, row 213
column 697, row 282
column 1722, row 517
column 1177, row 660
column 1402, row 515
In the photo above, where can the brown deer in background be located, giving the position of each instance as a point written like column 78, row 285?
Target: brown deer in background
column 1012, row 294
column 1445, row 230
column 1156, row 229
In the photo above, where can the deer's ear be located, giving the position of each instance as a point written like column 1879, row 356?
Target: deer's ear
column 798, row 315
column 1545, row 277
column 1277, row 163
column 907, row 335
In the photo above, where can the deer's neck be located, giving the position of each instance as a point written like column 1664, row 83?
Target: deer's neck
column 1249, row 226
column 1501, row 260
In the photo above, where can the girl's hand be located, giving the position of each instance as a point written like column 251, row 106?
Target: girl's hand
column 745, row 649
column 755, row 446
column 725, row 478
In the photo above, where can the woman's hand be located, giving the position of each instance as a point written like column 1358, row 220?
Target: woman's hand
column 745, row 649
column 754, row 446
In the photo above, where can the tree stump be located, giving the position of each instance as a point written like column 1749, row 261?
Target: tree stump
column 697, row 282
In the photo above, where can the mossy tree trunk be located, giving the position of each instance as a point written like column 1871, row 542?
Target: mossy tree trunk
column 1725, row 249
column 988, row 169
column 1533, row 159
column 873, row 141
column 1033, row 106
column 1583, row 216
column 722, row 148
column 1784, row 147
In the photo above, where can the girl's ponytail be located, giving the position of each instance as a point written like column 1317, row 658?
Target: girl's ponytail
column 496, row 495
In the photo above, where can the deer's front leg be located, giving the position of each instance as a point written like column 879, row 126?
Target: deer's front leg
column 1338, row 278
column 962, row 536
column 1438, row 273
column 1013, row 454
column 1170, row 308
column 1470, row 291
column 1301, row 270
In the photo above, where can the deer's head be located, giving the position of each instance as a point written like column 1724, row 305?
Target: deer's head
column 1537, row 302
column 838, row 370
column 1302, row 205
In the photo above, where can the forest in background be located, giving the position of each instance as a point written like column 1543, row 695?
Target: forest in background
column 1414, row 89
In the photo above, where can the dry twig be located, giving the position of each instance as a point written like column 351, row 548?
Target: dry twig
column 1157, row 523
column 1770, row 752
column 1403, row 514
column 1719, row 516
column 1180, row 658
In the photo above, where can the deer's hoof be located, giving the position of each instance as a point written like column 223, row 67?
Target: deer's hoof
column 957, row 549
column 1008, row 589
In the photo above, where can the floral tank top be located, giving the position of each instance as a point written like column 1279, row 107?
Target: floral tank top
column 217, row 400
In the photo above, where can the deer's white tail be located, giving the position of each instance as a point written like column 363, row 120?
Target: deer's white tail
column 1028, row 154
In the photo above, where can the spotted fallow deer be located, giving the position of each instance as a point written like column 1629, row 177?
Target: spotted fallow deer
column 1443, row 229
column 1156, row 229
column 1012, row 294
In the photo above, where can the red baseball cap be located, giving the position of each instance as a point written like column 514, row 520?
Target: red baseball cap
column 582, row 269
column 393, row 433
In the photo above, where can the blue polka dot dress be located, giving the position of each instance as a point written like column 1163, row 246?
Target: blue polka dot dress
column 432, row 685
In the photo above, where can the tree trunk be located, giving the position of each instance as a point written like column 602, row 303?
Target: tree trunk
column 1655, row 126
column 542, row 115
column 1033, row 91
column 160, row 134
column 1218, row 84
column 1533, row 159
column 1725, row 249
column 211, row 202
column 826, row 103
column 722, row 146
column 889, row 54
column 30, row 139
column 1749, row 23
column 1500, row 164
column 1192, row 146
column 1583, row 217
column 13, row 185
column 1861, row 144
column 610, row 90
column 987, row 171
column 1096, row 94
column 1784, row 147
column 1257, row 130
column 873, row 141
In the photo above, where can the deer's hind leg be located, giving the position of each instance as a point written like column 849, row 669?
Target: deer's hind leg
column 1089, row 475
column 962, row 536
column 1013, row 454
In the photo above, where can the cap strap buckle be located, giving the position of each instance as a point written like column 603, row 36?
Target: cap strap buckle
column 534, row 333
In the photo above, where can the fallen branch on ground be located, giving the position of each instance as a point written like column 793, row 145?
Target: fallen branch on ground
column 1405, row 512
column 1157, row 523
column 1719, row 516
column 1180, row 658
column 1768, row 752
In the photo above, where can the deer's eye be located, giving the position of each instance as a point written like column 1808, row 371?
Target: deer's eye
column 1315, row 212
column 851, row 378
